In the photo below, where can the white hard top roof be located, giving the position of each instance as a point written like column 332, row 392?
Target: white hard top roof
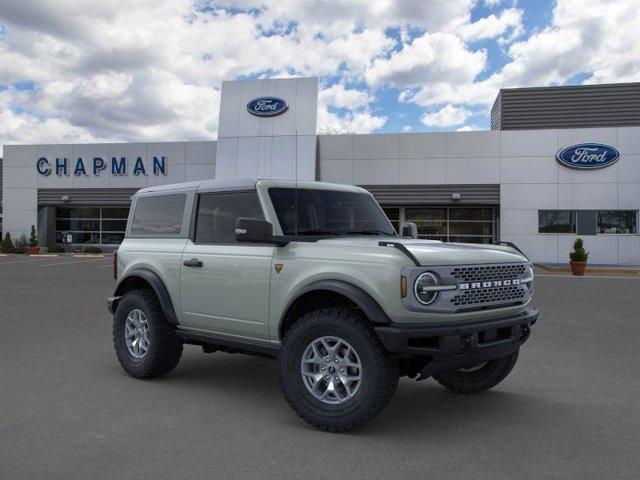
column 244, row 183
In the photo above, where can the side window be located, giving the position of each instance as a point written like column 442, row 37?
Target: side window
column 159, row 215
column 218, row 212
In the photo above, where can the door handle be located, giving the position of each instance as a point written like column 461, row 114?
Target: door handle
column 194, row 262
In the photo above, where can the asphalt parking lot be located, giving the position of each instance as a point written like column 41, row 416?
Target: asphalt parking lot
column 570, row 409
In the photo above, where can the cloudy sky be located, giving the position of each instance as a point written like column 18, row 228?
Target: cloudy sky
column 84, row 71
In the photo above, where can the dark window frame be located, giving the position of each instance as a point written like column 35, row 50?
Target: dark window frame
column 194, row 217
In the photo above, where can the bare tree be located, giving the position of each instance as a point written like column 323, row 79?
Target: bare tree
column 331, row 129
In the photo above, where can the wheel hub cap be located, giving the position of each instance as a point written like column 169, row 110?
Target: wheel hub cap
column 331, row 370
column 136, row 333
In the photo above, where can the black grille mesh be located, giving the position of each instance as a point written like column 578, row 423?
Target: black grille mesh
column 491, row 272
column 511, row 293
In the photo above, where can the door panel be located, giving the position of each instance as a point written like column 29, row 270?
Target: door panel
column 225, row 284
column 229, row 293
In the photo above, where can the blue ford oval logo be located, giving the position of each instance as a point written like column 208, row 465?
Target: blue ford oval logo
column 267, row 106
column 588, row 156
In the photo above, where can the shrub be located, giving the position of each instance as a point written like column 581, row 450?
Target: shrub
column 91, row 250
column 579, row 254
column 20, row 245
column 57, row 248
column 7, row 244
column 33, row 238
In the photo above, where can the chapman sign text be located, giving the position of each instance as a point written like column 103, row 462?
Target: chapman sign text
column 118, row 166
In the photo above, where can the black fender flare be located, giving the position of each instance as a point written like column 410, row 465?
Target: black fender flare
column 362, row 299
column 158, row 287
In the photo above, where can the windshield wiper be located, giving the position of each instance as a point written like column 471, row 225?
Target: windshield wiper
column 313, row 231
column 369, row 232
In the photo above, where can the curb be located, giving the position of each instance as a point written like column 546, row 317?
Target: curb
column 45, row 255
column 589, row 269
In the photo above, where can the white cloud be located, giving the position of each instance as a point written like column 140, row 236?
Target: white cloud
column 469, row 128
column 407, row 128
column 509, row 22
column 433, row 57
column 340, row 97
column 351, row 122
column 151, row 69
column 596, row 38
column 447, row 116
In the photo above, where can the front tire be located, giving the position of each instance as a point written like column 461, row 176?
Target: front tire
column 479, row 378
column 146, row 344
column 333, row 370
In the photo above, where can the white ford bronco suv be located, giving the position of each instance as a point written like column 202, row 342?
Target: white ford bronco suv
column 313, row 274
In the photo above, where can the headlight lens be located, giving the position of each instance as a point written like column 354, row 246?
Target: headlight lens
column 425, row 280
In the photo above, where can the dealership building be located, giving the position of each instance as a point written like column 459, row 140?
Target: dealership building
column 559, row 162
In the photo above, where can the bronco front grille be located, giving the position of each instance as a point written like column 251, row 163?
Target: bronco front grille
column 481, row 273
column 496, row 295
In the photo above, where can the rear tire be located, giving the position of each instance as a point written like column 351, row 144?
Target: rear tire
column 469, row 381
column 352, row 341
column 161, row 348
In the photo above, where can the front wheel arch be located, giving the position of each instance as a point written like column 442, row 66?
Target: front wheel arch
column 330, row 293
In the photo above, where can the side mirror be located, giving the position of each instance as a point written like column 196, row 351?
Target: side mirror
column 254, row 230
column 409, row 230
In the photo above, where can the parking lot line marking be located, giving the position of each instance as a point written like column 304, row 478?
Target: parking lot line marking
column 21, row 261
column 70, row 262
column 105, row 266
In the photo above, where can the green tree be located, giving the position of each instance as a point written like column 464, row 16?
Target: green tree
column 33, row 237
column 7, row 244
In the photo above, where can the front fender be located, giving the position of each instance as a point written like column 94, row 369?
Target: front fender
column 357, row 295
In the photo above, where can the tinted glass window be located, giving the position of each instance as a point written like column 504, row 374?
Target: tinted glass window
column 160, row 215
column 556, row 221
column 617, row 221
column 328, row 212
column 218, row 212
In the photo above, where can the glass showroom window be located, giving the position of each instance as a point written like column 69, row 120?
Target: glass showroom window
column 453, row 224
column 393, row 214
column 556, row 221
column 618, row 221
column 92, row 225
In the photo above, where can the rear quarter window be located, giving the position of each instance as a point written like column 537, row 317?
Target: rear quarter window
column 159, row 215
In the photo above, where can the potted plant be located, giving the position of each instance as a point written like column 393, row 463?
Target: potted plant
column 578, row 258
column 33, row 249
column 7, row 244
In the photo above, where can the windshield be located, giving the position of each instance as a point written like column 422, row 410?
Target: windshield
column 328, row 212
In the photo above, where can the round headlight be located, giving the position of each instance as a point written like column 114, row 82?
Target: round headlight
column 421, row 288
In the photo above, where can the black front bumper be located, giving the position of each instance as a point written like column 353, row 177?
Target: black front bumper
column 451, row 346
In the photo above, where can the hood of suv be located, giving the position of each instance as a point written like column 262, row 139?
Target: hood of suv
column 432, row 252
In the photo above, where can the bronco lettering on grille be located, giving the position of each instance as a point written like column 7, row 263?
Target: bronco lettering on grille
column 493, row 283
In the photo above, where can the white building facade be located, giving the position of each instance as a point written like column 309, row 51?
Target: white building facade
column 499, row 185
